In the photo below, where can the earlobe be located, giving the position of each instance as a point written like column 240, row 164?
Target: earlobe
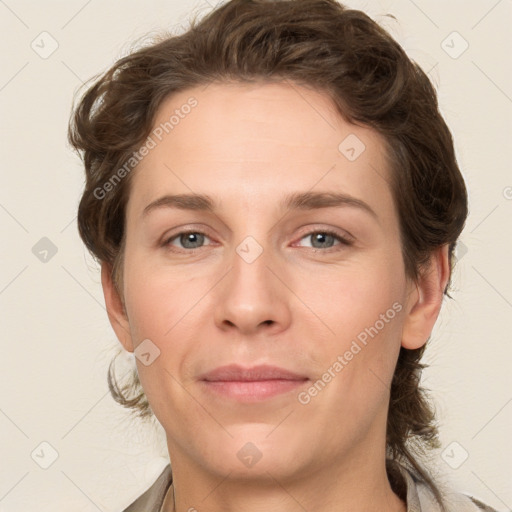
column 115, row 308
column 426, row 300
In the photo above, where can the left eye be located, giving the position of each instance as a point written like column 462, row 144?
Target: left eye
column 325, row 238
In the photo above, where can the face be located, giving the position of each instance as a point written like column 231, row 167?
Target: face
column 295, row 264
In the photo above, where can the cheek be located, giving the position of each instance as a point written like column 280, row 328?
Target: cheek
column 361, row 313
column 160, row 309
column 352, row 299
column 164, row 307
column 159, row 302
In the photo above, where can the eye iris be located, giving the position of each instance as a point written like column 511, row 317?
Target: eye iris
column 320, row 236
column 188, row 237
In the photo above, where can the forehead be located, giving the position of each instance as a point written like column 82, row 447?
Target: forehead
column 258, row 139
column 272, row 114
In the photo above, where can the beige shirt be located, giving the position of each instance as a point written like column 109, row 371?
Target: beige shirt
column 419, row 497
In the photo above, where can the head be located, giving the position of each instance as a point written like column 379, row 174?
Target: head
column 261, row 106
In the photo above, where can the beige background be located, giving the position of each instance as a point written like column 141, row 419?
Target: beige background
column 56, row 340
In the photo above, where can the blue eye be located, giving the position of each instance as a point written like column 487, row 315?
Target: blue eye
column 326, row 237
column 191, row 241
column 188, row 237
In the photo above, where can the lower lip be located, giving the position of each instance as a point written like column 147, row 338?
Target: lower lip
column 251, row 391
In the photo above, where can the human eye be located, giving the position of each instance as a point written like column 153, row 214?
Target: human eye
column 324, row 240
column 190, row 241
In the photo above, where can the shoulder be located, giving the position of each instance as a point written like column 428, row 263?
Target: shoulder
column 420, row 498
column 151, row 500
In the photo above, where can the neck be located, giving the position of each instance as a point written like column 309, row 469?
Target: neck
column 356, row 488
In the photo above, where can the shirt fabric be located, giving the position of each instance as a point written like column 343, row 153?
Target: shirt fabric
column 419, row 497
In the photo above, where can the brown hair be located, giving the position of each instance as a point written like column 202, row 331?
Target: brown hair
column 318, row 44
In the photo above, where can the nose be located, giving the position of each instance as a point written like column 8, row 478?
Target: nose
column 253, row 297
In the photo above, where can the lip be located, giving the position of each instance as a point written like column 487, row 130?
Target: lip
column 235, row 372
column 251, row 384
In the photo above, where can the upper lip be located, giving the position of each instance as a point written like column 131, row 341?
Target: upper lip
column 234, row 372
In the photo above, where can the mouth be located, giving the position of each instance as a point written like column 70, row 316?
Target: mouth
column 251, row 384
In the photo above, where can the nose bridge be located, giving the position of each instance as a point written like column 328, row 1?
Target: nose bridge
column 251, row 295
column 251, row 280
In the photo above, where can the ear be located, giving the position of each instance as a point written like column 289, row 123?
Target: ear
column 115, row 308
column 425, row 300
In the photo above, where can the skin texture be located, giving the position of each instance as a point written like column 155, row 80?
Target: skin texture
column 299, row 305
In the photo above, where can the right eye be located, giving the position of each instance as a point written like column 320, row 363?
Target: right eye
column 189, row 240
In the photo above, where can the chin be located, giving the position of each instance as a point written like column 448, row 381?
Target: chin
column 255, row 450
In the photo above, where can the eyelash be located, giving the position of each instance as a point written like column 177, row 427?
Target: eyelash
column 344, row 241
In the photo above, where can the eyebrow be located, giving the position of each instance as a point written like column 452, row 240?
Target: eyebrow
column 295, row 201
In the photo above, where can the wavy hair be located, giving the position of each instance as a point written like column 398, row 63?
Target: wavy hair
column 319, row 44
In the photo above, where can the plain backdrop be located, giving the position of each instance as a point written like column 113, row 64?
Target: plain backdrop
column 55, row 337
